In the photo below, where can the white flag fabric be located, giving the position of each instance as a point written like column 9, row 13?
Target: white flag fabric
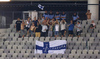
column 52, row 47
column 40, row 6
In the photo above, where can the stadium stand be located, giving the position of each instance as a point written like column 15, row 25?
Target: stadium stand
column 85, row 47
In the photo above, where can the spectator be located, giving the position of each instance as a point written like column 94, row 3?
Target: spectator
column 70, row 29
column 35, row 21
column 45, row 20
column 51, row 15
column 75, row 18
column 22, row 29
column 42, row 19
column 44, row 29
column 57, row 16
column 63, row 27
column 45, row 14
column 92, row 25
column 79, row 29
column 32, row 30
column 63, row 16
column 18, row 25
column 56, row 28
column 50, row 25
column 38, row 30
column 88, row 15
column 28, row 23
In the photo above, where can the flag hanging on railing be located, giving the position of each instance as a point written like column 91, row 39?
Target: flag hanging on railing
column 51, row 47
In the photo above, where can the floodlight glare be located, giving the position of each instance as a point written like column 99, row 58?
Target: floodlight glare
column 4, row 0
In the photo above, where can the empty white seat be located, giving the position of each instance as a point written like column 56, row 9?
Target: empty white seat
column 90, row 51
column 1, row 51
column 79, row 51
column 9, row 47
column 96, row 52
column 12, row 51
column 15, row 54
column 84, row 51
column 73, row 52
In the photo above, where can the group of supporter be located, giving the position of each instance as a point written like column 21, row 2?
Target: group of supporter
column 50, row 25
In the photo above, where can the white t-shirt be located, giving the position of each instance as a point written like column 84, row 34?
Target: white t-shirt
column 93, row 24
column 44, row 28
column 79, row 25
column 63, row 26
column 28, row 24
column 56, row 27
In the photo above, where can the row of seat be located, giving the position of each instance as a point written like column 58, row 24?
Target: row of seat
column 68, row 51
column 26, row 55
column 69, row 39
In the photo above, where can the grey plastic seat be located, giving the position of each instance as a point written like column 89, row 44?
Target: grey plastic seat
column 14, row 39
column 37, row 55
column 71, row 56
column 31, row 39
column 64, row 38
column 44, row 55
column 42, row 39
column 82, row 34
column 14, row 30
column 54, row 55
column 96, row 52
column 98, row 35
column 36, row 38
column 59, row 56
column 88, row 35
column 1, row 50
column 65, row 55
column 80, row 39
column 94, row 34
column 96, row 30
column 52, row 38
column 84, row 51
column 75, row 39
column 25, row 38
column 16, row 34
column 12, row 34
column 67, row 51
column 48, row 55
column 90, row 51
column 79, row 52
column 73, row 52
column 58, row 38
column 20, row 39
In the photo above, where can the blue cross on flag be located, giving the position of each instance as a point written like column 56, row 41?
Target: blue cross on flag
column 40, row 6
column 52, row 47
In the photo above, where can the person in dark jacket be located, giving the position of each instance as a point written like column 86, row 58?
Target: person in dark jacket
column 38, row 30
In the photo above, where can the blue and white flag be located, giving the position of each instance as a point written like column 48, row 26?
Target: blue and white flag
column 52, row 47
column 40, row 6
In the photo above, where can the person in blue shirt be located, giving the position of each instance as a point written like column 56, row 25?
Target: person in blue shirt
column 51, row 15
column 63, row 16
column 75, row 18
column 45, row 14
column 70, row 29
column 57, row 16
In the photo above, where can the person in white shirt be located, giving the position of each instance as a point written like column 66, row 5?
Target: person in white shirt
column 79, row 29
column 56, row 28
column 63, row 27
column 92, row 25
column 44, row 29
column 28, row 23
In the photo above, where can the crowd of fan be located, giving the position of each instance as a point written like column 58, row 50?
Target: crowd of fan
column 50, row 25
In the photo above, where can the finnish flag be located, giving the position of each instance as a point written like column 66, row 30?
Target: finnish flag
column 52, row 47
column 40, row 6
